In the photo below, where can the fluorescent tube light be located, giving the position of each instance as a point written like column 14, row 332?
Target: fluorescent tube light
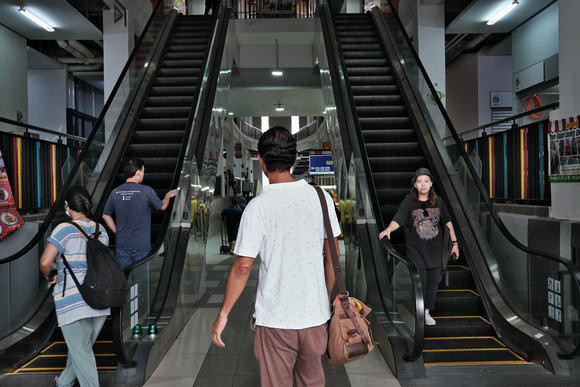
column 502, row 13
column 35, row 19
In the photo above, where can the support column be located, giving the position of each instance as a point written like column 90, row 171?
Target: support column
column 565, row 195
column 118, row 43
column 430, row 41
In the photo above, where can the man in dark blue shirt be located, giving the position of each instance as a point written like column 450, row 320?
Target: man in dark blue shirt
column 131, row 202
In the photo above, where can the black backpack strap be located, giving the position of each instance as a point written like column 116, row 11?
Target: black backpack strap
column 81, row 230
column 86, row 236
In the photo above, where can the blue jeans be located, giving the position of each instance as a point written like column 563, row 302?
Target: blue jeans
column 129, row 257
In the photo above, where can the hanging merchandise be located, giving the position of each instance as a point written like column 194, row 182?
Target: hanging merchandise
column 10, row 220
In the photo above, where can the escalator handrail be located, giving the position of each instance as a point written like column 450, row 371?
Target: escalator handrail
column 419, row 337
column 346, row 117
column 574, row 271
column 59, row 201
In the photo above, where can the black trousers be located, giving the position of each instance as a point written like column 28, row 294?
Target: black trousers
column 430, row 279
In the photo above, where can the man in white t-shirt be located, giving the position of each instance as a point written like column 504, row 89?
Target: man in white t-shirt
column 284, row 225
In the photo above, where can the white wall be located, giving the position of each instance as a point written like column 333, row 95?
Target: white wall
column 47, row 96
column 536, row 40
column 13, row 77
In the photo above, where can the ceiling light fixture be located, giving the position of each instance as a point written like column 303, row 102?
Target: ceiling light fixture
column 277, row 72
column 279, row 108
column 35, row 19
column 502, row 13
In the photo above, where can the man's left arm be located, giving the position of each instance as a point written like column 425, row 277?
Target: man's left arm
column 237, row 279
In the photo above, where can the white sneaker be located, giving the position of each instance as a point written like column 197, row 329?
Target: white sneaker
column 429, row 320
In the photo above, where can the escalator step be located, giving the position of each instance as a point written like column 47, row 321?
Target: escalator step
column 179, row 72
column 158, row 137
column 373, row 123
column 355, row 62
column 363, row 54
column 390, row 149
column 458, row 303
column 381, row 111
column 172, row 91
column 170, row 100
column 159, row 164
column 375, row 90
column 176, row 81
column 192, row 63
column 184, row 55
column 161, row 123
column 361, row 46
column 166, row 111
column 366, row 71
column 460, row 326
column 378, row 100
column 443, row 343
column 186, row 47
column 397, row 135
column 374, row 80
column 472, row 357
column 388, row 164
column 345, row 39
column 165, row 150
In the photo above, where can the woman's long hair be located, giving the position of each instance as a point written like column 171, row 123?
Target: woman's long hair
column 415, row 195
column 79, row 200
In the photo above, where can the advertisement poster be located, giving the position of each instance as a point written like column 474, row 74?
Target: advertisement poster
column 10, row 220
column 280, row 7
column 564, row 146
column 321, row 165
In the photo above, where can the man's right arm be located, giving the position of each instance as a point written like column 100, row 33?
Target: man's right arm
column 168, row 197
column 110, row 222
column 237, row 279
column 329, row 275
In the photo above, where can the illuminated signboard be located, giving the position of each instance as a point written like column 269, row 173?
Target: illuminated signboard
column 321, row 165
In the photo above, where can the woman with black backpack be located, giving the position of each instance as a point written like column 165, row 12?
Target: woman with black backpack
column 80, row 324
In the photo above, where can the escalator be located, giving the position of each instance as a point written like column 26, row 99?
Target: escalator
column 390, row 125
column 150, row 114
column 395, row 152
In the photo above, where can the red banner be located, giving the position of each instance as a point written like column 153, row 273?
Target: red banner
column 10, row 220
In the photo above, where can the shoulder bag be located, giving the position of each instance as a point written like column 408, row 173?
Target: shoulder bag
column 349, row 334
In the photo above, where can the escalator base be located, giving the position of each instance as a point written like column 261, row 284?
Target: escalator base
column 53, row 359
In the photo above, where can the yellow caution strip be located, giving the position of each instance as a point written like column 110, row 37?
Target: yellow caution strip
column 450, row 317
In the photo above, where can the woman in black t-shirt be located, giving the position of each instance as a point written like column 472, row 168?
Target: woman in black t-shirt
column 422, row 219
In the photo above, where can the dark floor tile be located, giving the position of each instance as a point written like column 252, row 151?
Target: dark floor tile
column 235, row 330
column 332, row 369
column 248, row 345
column 219, row 365
column 233, row 347
column 247, row 365
column 334, row 380
column 246, row 381
column 214, row 381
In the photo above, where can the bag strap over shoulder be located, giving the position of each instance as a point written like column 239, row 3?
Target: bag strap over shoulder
column 342, row 292
column 333, row 251
column 84, row 233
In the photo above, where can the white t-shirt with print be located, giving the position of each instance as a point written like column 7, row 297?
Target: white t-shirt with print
column 284, row 224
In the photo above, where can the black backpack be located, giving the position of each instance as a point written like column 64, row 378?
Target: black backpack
column 105, row 285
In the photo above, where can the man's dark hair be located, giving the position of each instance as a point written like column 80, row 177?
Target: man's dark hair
column 233, row 202
column 131, row 165
column 277, row 147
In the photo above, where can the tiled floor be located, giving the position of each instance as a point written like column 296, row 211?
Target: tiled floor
column 194, row 360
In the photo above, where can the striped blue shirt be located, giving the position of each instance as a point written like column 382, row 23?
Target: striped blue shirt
column 73, row 245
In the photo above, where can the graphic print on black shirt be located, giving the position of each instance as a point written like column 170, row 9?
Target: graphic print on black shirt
column 426, row 226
